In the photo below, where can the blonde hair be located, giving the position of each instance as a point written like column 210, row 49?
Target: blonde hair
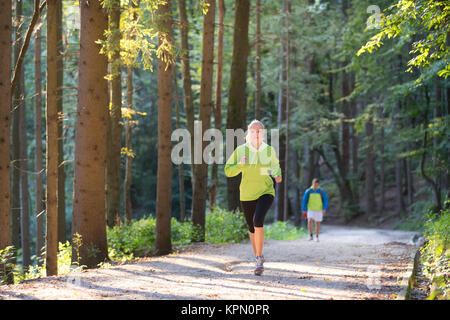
column 253, row 123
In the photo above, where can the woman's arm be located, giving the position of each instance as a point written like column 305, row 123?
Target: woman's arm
column 275, row 166
column 232, row 166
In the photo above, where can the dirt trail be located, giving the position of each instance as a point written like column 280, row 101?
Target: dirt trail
column 347, row 263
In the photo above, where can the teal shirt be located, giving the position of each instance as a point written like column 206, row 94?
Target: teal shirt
column 261, row 164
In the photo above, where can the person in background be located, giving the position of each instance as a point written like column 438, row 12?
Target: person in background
column 258, row 163
column 314, row 206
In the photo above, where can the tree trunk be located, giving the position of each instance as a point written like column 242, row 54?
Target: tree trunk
column 59, row 85
column 129, row 147
column 370, row 169
column 398, row 165
column 5, row 105
column 286, row 155
column 16, row 209
column 381, row 150
column 201, row 170
column 163, row 243
column 89, row 212
column 186, row 78
column 180, row 166
column 258, row 61
column 52, row 140
column 238, row 81
column 128, row 133
column 24, row 196
column 38, row 150
column 115, row 139
column 345, row 127
column 218, row 105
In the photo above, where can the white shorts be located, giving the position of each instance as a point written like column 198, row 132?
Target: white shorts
column 315, row 215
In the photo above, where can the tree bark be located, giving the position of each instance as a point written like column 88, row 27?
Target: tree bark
column 89, row 212
column 23, row 164
column 180, row 166
column 15, row 205
column 38, row 152
column 5, row 121
column 382, row 170
column 115, row 138
column 201, row 170
column 218, row 104
column 258, row 61
column 370, row 169
column 128, row 134
column 286, row 155
column 52, row 140
column 236, row 116
column 163, row 243
column 128, row 145
column 59, row 84
column 186, row 79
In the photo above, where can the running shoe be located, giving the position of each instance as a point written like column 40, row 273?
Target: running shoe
column 259, row 265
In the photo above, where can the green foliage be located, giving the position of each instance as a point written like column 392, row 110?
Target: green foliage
column 283, row 230
column 436, row 254
column 427, row 18
column 138, row 238
column 223, row 226
column 6, row 264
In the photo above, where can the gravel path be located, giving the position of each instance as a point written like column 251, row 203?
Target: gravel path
column 347, row 263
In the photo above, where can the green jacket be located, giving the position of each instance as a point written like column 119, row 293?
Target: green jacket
column 261, row 164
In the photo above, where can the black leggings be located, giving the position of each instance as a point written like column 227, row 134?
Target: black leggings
column 255, row 211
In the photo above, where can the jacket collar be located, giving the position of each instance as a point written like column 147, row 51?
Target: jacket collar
column 261, row 147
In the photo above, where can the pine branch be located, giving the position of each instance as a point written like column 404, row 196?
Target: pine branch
column 18, row 67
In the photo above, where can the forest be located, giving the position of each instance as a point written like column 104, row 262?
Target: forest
column 91, row 92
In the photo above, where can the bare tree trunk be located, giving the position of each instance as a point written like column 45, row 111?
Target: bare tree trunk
column 180, row 166
column 345, row 127
column 236, row 115
column 5, row 109
column 128, row 133
column 286, row 155
column 186, row 79
column 89, row 206
column 163, row 243
column 258, row 61
column 52, row 140
column 24, row 197
column 370, row 169
column 201, row 170
column 15, row 205
column 115, row 139
column 382, row 171
column 218, row 104
column 128, row 145
column 398, row 166
column 59, row 85
column 38, row 152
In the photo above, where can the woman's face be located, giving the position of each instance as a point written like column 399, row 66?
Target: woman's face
column 256, row 133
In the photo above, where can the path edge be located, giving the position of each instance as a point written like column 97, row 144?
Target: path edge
column 409, row 276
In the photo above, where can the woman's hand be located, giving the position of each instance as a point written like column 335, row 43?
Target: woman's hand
column 278, row 179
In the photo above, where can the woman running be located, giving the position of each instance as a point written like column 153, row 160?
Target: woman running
column 258, row 163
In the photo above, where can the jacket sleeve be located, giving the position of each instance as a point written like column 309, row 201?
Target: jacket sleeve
column 274, row 164
column 305, row 201
column 325, row 200
column 232, row 166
